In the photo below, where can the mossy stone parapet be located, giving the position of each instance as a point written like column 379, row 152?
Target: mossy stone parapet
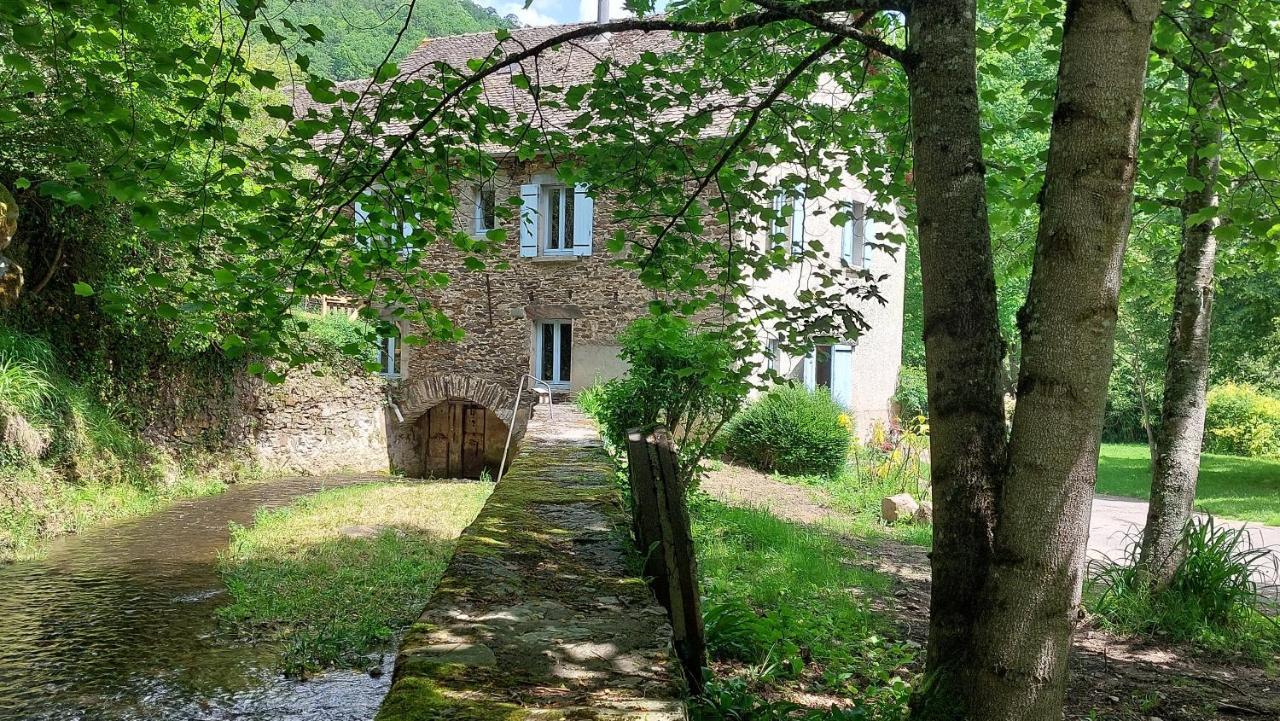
column 538, row 615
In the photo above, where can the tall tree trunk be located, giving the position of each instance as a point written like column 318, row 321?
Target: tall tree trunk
column 963, row 348
column 1181, row 432
column 1068, row 335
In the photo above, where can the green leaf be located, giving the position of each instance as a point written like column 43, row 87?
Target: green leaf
column 82, row 289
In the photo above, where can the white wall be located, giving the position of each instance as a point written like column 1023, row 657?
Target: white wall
column 877, row 355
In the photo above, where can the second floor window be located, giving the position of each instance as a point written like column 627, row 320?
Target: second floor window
column 788, row 227
column 555, row 220
column 484, row 215
column 557, row 201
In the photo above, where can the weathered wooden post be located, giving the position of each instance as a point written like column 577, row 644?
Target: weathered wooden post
column 662, row 531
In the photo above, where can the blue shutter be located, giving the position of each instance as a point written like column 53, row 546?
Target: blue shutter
column 529, row 220
column 842, row 375
column 583, row 220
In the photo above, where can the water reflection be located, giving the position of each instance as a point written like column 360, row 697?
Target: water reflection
column 118, row 624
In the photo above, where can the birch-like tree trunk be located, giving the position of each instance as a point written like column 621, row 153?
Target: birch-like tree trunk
column 963, row 348
column 1032, row 597
column 1011, row 518
column 1181, row 432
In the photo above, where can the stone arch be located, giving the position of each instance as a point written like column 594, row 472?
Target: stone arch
column 440, row 429
column 422, row 394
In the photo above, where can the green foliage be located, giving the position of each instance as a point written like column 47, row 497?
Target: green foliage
column 778, row 607
column 358, row 35
column 335, row 339
column 793, row 431
column 1212, row 601
column 678, row 376
column 1241, row 420
column 912, row 396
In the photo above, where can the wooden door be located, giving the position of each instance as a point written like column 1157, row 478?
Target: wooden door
column 458, row 439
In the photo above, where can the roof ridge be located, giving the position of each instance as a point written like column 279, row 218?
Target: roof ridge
column 429, row 39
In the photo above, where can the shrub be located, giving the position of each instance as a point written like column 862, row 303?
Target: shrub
column 334, row 339
column 677, row 376
column 912, row 396
column 1212, row 600
column 792, row 431
column 1243, row 421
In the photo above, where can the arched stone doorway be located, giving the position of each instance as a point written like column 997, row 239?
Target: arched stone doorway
column 454, row 426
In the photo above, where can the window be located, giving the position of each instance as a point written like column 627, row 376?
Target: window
column 853, row 237
column 558, row 229
column 390, row 357
column 484, row 215
column 789, row 211
column 775, row 355
column 553, row 354
column 822, row 366
column 555, row 219
column 375, row 212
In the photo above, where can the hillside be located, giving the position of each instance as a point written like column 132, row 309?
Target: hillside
column 358, row 32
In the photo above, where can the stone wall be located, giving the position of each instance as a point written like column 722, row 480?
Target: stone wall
column 311, row 425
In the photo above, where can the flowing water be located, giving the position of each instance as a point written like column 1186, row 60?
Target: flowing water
column 118, row 624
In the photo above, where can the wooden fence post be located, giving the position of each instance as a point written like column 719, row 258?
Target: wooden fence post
column 645, row 513
column 662, row 518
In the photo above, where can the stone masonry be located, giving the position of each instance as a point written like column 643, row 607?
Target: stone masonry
column 538, row 615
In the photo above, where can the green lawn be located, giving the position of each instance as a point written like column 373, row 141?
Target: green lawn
column 337, row 574
column 1230, row 486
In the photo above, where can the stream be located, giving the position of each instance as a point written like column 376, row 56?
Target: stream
column 118, row 624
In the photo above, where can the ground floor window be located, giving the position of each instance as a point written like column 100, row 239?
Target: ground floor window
column 553, row 355
column 822, row 366
column 389, row 357
column 831, row 367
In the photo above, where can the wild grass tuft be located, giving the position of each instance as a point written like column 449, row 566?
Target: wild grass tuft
column 1212, row 602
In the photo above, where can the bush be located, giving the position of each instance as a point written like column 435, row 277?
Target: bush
column 1212, row 601
column 1242, row 421
column 792, row 431
column 336, row 339
column 912, row 396
column 678, row 377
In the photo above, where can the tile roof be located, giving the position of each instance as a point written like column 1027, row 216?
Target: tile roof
column 572, row 63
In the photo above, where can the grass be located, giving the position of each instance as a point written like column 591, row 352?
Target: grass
column 1246, row 489
column 1212, row 602
column 94, row 468
column 337, row 574
column 785, row 615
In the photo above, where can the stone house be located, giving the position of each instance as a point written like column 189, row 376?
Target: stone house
column 555, row 313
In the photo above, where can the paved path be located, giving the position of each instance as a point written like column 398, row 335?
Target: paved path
column 1117, row 522
column 538, row 615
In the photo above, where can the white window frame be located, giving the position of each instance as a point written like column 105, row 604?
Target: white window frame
column 563, row 227
column 478, row 225
column 556, row 380
column 854, row 235
column 389, row 347
column 774, row 350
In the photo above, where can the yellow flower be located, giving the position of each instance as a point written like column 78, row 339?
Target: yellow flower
column 845, row 421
